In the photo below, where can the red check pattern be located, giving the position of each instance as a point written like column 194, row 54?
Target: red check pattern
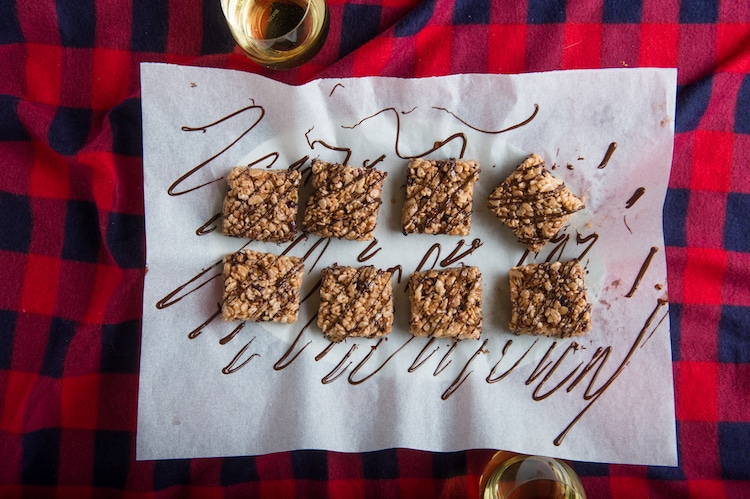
column 72, row 231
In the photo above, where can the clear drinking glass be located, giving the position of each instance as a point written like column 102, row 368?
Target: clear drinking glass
column 517, row 476
column 278, row 34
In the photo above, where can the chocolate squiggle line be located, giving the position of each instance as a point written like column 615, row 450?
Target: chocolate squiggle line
column 461, row 378
column 363, row 256
column 635, row 197
column 172, row 188
column 436, row 146
column 367, row 164
column 454, row 256
column 490, row 379
column 492, row 132
column 359, row 366
column 591, row 394
column 535, row 395
column 328, row 146
column 562, row 241
column 282, row 363
column 593, row 237
column 340, row 369
column 170, row 299
column 231, row 367
column 607, row 155
column 226, row 339
column 197, row 331
column 642, row 271
column 338, row 85
column 204, row 229
column 442, row 365
column 418, row 361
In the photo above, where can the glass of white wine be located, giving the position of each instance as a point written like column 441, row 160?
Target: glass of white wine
column 517, row 476
column 278, row 34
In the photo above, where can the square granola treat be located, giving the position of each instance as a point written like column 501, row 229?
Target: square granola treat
column 446, row 303
column 533, row 203
column 261, row 204
column 549, row 299
column 355, row 302
column 261, row 287
column 439, row 196
column 345, row 201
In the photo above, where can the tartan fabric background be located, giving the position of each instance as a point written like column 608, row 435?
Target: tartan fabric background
column 72, row 231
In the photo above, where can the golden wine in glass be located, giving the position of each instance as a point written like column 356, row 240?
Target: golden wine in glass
column 278, row 34
column 516, row 476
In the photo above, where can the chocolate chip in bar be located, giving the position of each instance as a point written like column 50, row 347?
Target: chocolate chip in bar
column 439, row 196
column 355, row 302
column 345, row 201
column 533, row 203
column 261, row 204
column 446, row 303
column 261, row 287
column 549, row 299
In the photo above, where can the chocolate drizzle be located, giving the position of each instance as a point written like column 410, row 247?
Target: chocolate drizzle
column 328, row 146
column 273, row 156
column 231, row 335
column 363, row 257
column 340, row 369
column 172, row 190
column 593, row 237
column 423, row 261
column 367, row 357
column 635, row 197
column 463, row 375
column 523, row 258
column 367, row 164
column 437, row 145
column 173, row 297
column 561, row 240
column 454, row 256
column 492, row 378
column 600, row 358
column 445, row 361
column 325, row 351
column 207, row 228
column 338, row 85
column 607, row 155
column 233, row 366
column 396, row 269
column 493, row 132
column 419, row 361
column 197, row 331
column 325, row 242
column 642, row 271
column 573, row 347
column 282, row 363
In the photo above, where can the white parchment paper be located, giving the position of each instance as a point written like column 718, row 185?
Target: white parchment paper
column 213, row 388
